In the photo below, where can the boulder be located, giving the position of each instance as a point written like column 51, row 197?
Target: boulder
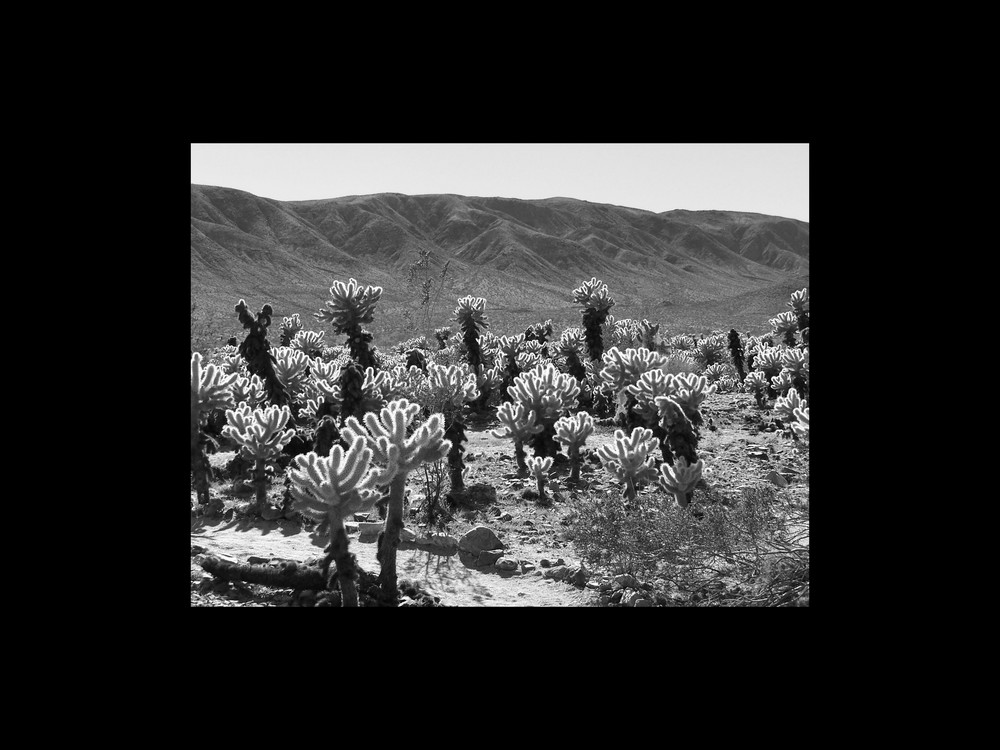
column 479, row 539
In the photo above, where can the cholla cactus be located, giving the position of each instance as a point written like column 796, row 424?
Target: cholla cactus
column 710, row 350
column 249, row 390
column 233, row 363
column 442, row 334
column 801, row 426
column 645, row 391
column 784, row 325
column 784, row 407
column 692, row 390
column 211, row 389
column 509, row 347
column 781, row 383
column 796, row 363
column 334, row 487
column 681, row 342
column 309, row 343
column 539, row 468
column 256, row 351
column 448, row 390
column 623, row 369
column 715, row 373
column 548, row 394
column 396, row 455
column 290, row 328
column 572, row 432
column 521, row 425
column 261, row 435
column 350, row 307
column 769, row 361
column 800, row 308
column 681, row 436
column 471, row 316
column 680, row 479
column 596, row 300
column 629, row 459
column 736, row 353
column 757, row 382
column 571, row 348
column 291, row 367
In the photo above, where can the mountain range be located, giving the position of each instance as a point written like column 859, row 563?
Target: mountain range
column 688, row 270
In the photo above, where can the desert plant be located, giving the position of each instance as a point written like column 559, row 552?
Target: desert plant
column 448, row 390
column 349, row 308
column 261, row 436
column 629, row 459
column 309, row 343
column 290, row 328
column 539, row 332
column 785, row 407
column 210, row 389
column 710, row 350
column 570, row 349
column 623, row 369
column 519, row 424
column 442, row 335
column 291, row 368
column 471, row 316
column 680, row 478
column 681, row 436
column 256, row 351
column 539, row 468
column 334, row 487
column 757, row 382
column 547, row 395
column 249, row 390
column 572, row 432
column 785, row 325
column 597, row 302
column 801, row 426
column 395, row 456
column 736, row 353
column 796, row 363
column 800, row 308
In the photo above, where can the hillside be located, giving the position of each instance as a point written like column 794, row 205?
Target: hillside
column 688, row 270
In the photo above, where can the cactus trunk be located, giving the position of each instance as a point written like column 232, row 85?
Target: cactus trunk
column 260, row 485
column 344, row 561
column 456, row 434
column 522, row 467
column 389, row 539
column 574, row 462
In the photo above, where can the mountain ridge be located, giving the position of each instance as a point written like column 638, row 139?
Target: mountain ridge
column 524, row 256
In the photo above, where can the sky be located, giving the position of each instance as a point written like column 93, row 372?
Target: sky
column 765, row 178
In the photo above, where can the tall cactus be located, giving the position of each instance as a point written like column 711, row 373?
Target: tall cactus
column 395, row 456
column 333, row 487
column 290, row 328
column 597, row 301
column 520, row 424
column 800, row 308
column 256, row 351
column 736, row 352
column 629, row 459
column 448, row 390
column 785, row 325
column 261, row 435
column 350, row 307
column 572, row 432
column 210, row 389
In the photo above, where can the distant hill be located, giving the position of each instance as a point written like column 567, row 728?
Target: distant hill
column 688, row 270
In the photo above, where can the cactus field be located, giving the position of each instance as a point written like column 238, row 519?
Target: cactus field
column 610, row 463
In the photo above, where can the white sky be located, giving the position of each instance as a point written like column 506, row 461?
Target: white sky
column 766, row 178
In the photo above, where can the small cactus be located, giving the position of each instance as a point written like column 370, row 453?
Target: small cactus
column 290, row 328
column 629, row 459
column 680, row 479
column 539, row 468
column 349, row 308
column 572, row 432
column 261, row 436
column 211, row 389
column 520, row 424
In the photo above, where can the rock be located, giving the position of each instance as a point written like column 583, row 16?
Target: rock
column 254, row 560
column 479, row 539
column 557, row 573
column 626, row 581
column 442, row 544
column 527, row 567
column 643, row 603
column 577, row 576
column 488, row 557
column 270, row 513
column 366, row 527
column 775, row 478
column 505, row 517
column 545, row 562
column 630, row 597
column 351, row 527
column 507, row 563
column 406, row 535
column 617, row 596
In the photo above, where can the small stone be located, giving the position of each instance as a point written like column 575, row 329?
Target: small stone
column 626, row 581
column 479, row 539
column 617, row 596
column 488, row 557
column 406, row 535
column 507, row 563
column 505, row 517
column 776, row 479
column 643, row 603
column 545, row 562
column 630, row 597
column 557, row 573
column 270, row 513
